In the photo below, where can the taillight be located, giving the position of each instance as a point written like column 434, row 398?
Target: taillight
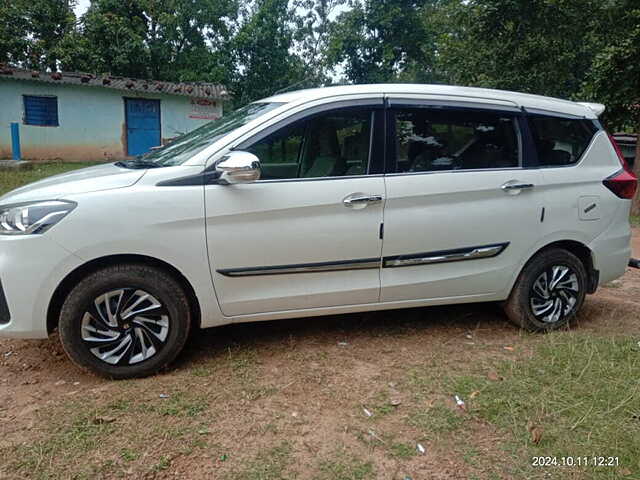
column 616, row 147
column 622, row 183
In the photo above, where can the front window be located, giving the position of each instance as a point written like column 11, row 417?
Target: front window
column 332, row 144
column 185, row 147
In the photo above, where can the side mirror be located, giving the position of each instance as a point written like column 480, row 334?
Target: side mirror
column 238, row 167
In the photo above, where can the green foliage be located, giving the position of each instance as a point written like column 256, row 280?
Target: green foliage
column 262, row 50
column 177, row 40
column 614, row 77
column 313, row 35
column 31, row 30
column 580, row 49
column 537, row 46
column 382, row 41
column 13, row 28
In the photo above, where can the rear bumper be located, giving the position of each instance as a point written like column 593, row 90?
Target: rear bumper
column 31, row 268
column 612, row 248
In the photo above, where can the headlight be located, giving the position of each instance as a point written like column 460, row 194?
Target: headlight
column 32, row 218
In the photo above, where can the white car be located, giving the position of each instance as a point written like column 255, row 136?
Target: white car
column 316, row 202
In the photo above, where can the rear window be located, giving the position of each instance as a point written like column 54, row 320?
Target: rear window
column 561, row 141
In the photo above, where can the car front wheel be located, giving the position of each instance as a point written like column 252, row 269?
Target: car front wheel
column 125, row 321
column 549, row 291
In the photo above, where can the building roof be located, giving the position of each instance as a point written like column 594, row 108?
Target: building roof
column 626, row 137
column 199, row 90
column 449, row 92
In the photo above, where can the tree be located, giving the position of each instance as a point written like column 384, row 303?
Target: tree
column 263, row 52
column 31, row 30
column 176, row 40
column 538, row 46
column 383, row 40
column 614, row 78
column 189, row 39
column 13, row 32
column 313, row 35
column 112, row 39
column 49, row 21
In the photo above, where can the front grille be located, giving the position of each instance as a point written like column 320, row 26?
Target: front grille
column 5, row 316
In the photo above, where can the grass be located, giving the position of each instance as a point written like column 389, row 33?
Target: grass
column 402, row 450
column 12, row 179
column 69, row 434
column 343, row 466
column 635, row 220
column 267, row 465
column 581, row 392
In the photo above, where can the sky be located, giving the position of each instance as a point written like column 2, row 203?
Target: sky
column 81, row 7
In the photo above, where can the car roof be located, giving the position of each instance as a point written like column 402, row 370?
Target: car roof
column 521, row 100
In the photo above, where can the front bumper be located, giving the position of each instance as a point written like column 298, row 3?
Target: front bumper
column 31, row 268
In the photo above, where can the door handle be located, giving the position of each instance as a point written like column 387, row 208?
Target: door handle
column 358, row 199
column 516, row 186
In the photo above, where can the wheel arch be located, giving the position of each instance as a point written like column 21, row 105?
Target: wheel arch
column 67, row 284
column 581, row 251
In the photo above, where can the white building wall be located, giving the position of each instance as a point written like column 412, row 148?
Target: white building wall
column 92, row 120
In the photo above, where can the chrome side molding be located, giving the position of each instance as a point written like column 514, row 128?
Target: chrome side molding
column 471, row 253
column 361, row 264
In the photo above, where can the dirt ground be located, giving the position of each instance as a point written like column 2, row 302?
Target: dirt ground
column 262, row 399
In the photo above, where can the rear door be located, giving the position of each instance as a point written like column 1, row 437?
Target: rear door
column 461, row 209
column 143, row 125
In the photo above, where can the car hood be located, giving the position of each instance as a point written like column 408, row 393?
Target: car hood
column 92, row 179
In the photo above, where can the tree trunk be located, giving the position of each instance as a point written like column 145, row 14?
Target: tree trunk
column 635, row 206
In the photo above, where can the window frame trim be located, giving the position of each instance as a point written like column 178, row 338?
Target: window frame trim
column 376, row 155
column 530, row 114
column 525, row 159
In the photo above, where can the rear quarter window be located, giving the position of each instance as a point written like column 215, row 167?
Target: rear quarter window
column 561, row 141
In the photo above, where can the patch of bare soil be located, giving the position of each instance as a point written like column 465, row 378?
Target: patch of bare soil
column 306, row 385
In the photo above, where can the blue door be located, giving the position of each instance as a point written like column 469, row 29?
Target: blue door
column 143, row 125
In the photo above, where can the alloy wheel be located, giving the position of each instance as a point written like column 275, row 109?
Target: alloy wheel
column 125, row 326
column 554, row 294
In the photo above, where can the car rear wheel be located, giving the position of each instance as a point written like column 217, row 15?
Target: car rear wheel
column 549, row 291
column 125, row 321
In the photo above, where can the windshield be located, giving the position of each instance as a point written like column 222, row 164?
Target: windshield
column 186, row 146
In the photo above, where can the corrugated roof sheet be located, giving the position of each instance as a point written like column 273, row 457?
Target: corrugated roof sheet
column 199, row 90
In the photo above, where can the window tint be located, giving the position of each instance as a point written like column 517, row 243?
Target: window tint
column 332, row 144
column 430, row 140
column 186, row 146
column 41, row 111
column 560, row 141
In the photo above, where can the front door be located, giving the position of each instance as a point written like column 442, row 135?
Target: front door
column 308, row 234
column 143, row 125
column 461, row 211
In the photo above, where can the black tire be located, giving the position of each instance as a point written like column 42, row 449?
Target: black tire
column 160, row 333
column 519, row 307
